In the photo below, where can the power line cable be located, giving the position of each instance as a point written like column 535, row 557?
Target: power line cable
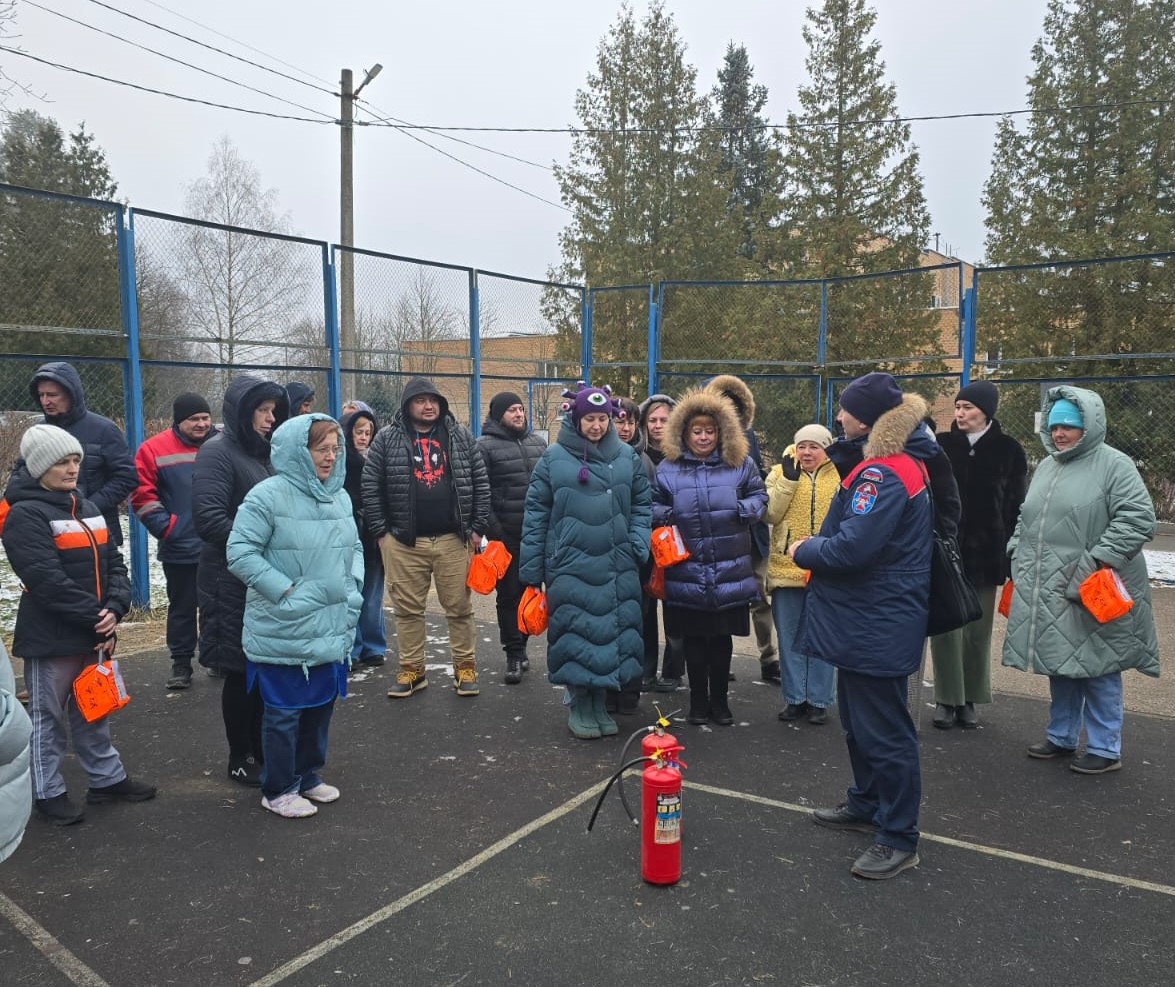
column 161, row 92
column 219, row 51
column 178, row 61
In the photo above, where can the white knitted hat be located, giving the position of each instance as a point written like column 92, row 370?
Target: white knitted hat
column 814, row 433
column 44, row 445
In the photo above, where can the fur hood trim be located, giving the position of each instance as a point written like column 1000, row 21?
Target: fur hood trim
column 735, row 390
column 892, row 430
column 732, row 443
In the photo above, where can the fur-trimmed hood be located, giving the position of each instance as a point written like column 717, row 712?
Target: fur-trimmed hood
column 892, row 430
column 732, row 443
column 735, row 390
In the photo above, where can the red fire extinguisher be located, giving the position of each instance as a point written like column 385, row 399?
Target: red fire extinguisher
column 661, row 817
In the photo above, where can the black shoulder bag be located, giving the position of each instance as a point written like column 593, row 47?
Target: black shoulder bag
column 953, row 601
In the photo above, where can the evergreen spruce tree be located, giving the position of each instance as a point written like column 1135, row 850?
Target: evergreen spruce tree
column 641, row 185
column 853, row 200
column 1090, row 174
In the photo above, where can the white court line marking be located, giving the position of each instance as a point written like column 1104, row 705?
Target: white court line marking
column 382, row 914
column 1023, row 858
column 48, row 946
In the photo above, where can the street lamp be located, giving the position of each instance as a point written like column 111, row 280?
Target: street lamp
column 347, row 340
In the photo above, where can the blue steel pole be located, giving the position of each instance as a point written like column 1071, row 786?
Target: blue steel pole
column 654, row 348
column 585, row 344
column 822, row 381
column 968, row 313
column 475, row 353
column 132, row 393
column 330, row 310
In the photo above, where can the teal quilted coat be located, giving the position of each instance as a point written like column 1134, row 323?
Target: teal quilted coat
column 294, row 530
column 1086, row 506
column 585, row 542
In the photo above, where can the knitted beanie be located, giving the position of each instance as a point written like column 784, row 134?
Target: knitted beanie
column 869, row 397
column 983, row 395
column 501, row 402
column 188, row 404
column 1063, row 412
column 815, row 433
column 44, row 445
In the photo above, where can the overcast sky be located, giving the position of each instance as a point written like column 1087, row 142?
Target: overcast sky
column 516, row 63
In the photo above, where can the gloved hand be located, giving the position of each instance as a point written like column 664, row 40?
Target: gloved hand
column 791, row 468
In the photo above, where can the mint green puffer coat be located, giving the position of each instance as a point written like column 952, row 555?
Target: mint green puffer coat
column 293, row 529
column 1086, row 506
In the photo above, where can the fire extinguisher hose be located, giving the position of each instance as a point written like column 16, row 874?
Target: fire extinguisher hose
column 608, row 787
column 620, row 780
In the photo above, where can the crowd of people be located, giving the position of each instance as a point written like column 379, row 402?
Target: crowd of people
column 281, row 529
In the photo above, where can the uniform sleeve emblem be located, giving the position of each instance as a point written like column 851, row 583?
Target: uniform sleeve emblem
column 872, row 473
column 864, row 497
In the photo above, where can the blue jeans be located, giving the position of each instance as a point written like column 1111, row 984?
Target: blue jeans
column 803, row 678
column 1097, row 703
column 371, row 637
column 294, row 745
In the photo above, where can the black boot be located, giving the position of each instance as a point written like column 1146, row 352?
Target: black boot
column 699, row 691
column 719, row 687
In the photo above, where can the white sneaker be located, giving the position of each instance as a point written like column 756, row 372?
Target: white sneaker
column 322, row 792
column 291, row 805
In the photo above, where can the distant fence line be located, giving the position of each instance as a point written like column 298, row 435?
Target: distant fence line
column 148, row 304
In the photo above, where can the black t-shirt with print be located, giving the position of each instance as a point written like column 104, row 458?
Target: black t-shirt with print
column 433, row 481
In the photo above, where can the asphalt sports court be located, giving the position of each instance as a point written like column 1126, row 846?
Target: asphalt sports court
column 458, row 855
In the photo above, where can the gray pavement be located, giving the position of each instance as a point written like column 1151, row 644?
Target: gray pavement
column 458, row 854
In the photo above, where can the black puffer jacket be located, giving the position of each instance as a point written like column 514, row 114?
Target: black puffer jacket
column 992, row 476
column 389, row 494
column 68, row 574
column 228, row 466
column 509, row 459
column 108, row 472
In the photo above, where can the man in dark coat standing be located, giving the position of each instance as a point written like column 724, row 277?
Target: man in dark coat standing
column 227, row 467
column 163, row 502
column 510, row 451
column 865, row 612
column 108, row 471
column 426, row 501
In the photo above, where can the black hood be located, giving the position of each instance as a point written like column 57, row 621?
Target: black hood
column 296, row 393
column 414, row 389
column 65, row 375
column 241, row 399
column 352, row 418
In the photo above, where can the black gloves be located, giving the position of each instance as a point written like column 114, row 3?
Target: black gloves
column 791, row 469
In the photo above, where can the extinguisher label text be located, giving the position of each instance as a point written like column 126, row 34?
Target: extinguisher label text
column 668, row 828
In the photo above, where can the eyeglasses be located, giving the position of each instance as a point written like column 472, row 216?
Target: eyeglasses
column 326, row 451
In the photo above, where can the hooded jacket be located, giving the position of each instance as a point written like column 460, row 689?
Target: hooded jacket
column 713, row 501
column 735, row 390
column 227, row 467
column 868, row 598
column 295, row 546
column 586, row 543
column 992, row 476
column 163, row 499
column 16, row 788
column 389, row 493
column 796, row 509
column 61, row 550
column 108, row 472
column 1086, row 507
column 510, row 458
column 355, row 460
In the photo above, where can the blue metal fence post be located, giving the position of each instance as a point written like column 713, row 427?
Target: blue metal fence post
column 475, row 353
column 132, row 392
column 654, row 347
column 822, row 382
column 330, row 312
column 967, row 350
column 586, row 303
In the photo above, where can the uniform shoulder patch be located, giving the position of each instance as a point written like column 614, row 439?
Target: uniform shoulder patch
column 864, row 497
column 872, row 473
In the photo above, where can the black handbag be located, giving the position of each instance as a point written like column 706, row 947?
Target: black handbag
column 953, row 601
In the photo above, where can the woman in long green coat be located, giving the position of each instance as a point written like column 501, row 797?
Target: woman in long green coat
column 1086, row 508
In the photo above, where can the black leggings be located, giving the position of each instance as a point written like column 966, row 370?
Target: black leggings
column 242, row 711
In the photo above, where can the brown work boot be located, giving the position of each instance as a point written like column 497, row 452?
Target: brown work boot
column 409, row 679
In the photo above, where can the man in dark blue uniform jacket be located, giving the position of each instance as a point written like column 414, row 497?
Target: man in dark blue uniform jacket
column 866, row 610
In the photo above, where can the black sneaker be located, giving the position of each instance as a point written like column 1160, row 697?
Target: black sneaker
column 720, row 712
column 245, row 771
column 1046, row 750
column 881, row 862
column 126, row 790
column 59, row 810
column 667, row 685
column 842, row 817
column 1094, row 764
column 966, row 718
column 181, row 675
column 817, row 716
column 648, row 683
column 792, row 711
column 770, row 673
column 214, row 672
column 513, row 671
column 372, row 661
